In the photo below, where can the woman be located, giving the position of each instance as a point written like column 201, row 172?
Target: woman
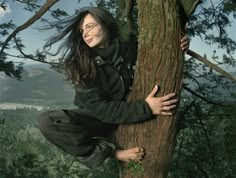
column 99, row 64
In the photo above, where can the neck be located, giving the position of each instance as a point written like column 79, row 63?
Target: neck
column 108, row 52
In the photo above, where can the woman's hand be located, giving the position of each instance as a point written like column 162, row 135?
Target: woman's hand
column 184, row 43
column 161, row 105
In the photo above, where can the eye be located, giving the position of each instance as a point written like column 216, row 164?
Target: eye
column 89, row 27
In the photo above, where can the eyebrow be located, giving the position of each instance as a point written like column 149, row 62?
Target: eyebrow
column 90, row 23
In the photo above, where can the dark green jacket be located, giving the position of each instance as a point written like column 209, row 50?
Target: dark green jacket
column 105, row 97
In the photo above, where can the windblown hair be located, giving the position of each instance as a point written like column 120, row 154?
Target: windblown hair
column 77, row 56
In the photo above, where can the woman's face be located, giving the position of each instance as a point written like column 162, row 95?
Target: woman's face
column 92, row 32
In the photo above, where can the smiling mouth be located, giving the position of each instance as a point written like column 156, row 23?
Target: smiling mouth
column 89, row 41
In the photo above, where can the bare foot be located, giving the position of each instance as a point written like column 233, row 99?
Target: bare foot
column 135, row 154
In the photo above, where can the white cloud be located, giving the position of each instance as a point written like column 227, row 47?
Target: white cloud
column 5, row 12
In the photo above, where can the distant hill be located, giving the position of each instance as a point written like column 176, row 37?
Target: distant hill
column 40, row 85
column 43, row 86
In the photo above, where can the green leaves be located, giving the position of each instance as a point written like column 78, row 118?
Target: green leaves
column 206, row 147
column 58, row 13
column 5, row 27
column 229, row 6
column 136, row 168
column 9, row 68
column 24, row 152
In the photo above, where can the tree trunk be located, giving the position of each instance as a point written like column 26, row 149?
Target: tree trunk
column 160, row 61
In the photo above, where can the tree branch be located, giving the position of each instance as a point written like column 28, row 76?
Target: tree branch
column 129, row 4
column 33, row 19
column 201, row 97
column 128, row 7
column 210, row 64
column 31, row 56
column 16, row 56
column 192, row 78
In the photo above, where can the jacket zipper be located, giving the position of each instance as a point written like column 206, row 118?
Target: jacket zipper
column 121, row 78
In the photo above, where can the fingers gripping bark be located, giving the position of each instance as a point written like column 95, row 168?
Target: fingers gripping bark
column 161, row 105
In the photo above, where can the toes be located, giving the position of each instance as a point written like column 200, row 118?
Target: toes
column 138, row 150
column 134, row 150
column 140, row 155
column 137, row 156
column 141, row 150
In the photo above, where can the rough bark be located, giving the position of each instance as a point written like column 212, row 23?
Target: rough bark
column 160, row 61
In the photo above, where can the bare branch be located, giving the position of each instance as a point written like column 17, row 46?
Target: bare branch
column 16, row 56
column 33, row 19
column 129, row 4
column 201, row 97
column 210, row 64
column 192, row 77
column 128, row 7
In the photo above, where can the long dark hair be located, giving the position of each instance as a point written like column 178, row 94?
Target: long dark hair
column 78, row 58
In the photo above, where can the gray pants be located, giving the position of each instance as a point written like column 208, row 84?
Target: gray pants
column 82, row 136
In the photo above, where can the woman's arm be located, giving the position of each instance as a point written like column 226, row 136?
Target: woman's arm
column 97, row 103
column 115, row 112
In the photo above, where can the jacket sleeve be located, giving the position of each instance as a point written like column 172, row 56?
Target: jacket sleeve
column 96, row 102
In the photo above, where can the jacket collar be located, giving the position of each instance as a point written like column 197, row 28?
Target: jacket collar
column 99, row 61
column 111, row 55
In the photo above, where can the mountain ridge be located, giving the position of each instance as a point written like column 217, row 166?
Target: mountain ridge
column 39, row 85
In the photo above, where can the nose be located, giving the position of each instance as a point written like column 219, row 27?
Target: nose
column 85, row 34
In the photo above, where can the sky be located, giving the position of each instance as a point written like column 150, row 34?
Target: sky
column 35, row 39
